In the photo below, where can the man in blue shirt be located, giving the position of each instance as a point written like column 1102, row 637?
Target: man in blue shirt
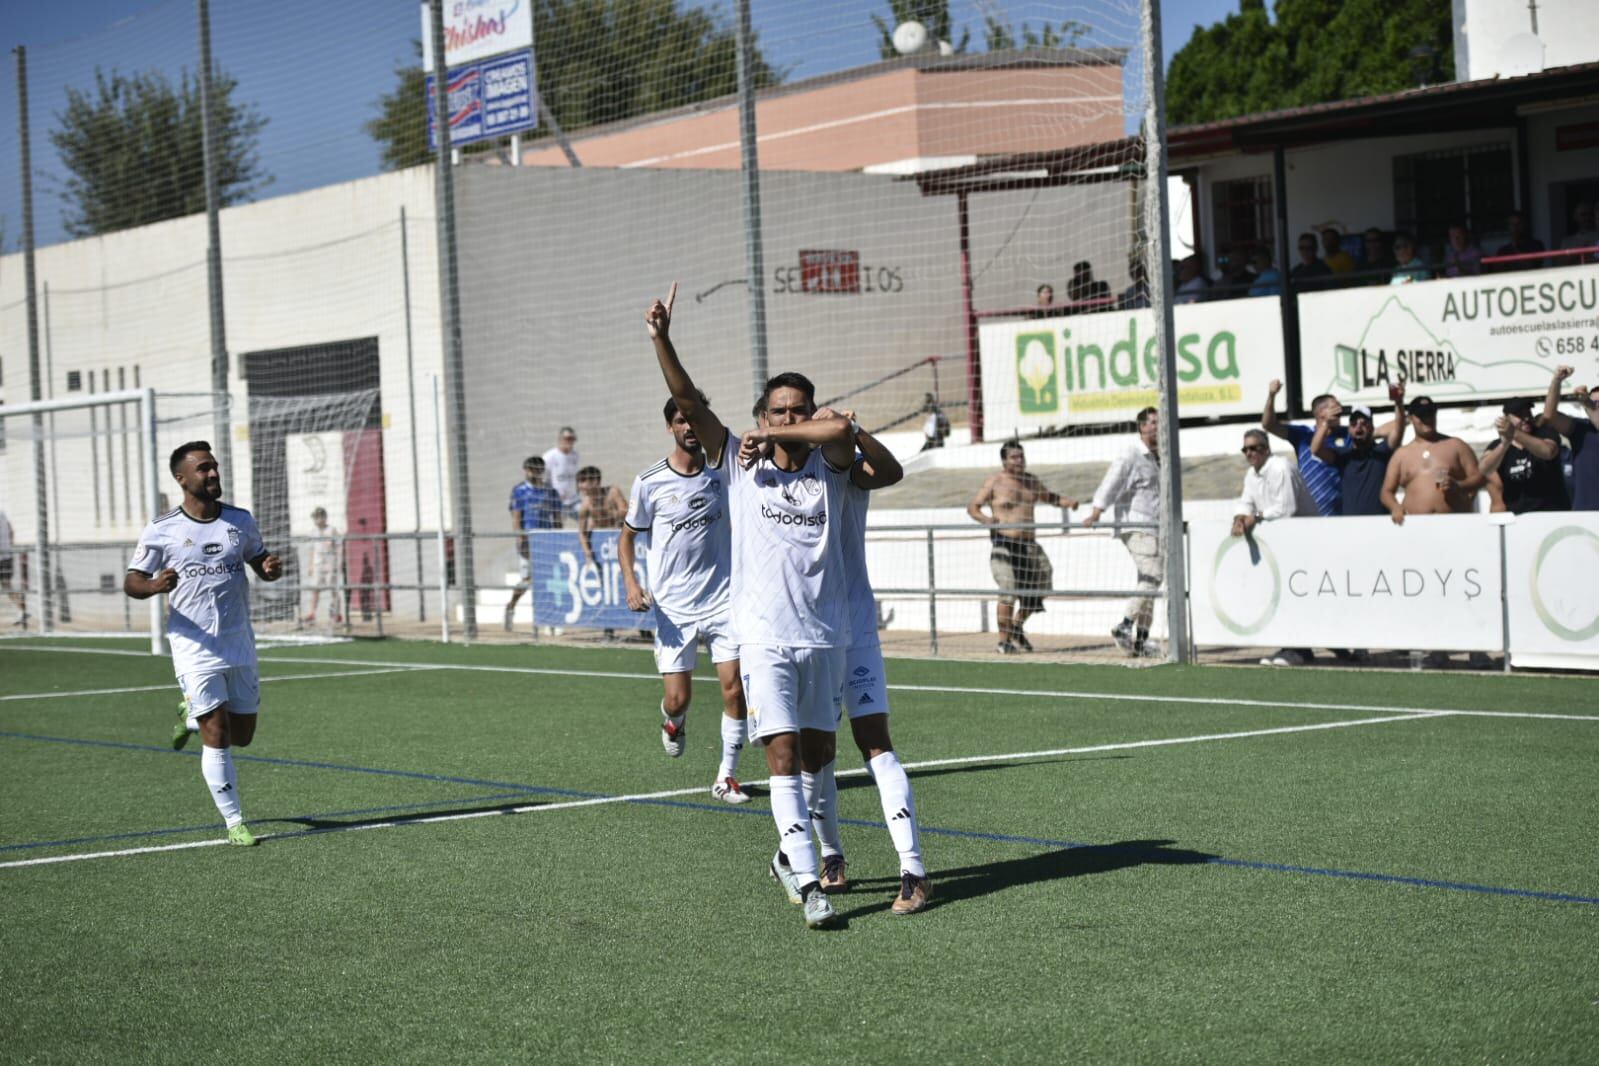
column 1361, row 457
column 534, row 505
column 1324, row 480
column 1583, row 436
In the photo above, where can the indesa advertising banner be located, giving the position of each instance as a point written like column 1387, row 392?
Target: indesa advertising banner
column 1102, row 367
column 1431, row 584
column 1452, row 339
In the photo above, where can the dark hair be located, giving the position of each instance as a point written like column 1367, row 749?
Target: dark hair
column 1318, row 401
column 1403, row 238
column 759, row 409
column 1311, row 237
column 670, row 410
column 182, row 451
column 533, row 462
column 790, row 379
column 1145, row 415
column 1082, row 265
column 1041, row 288
column 319, row 512
column 587, row 472
column 1260, row 434
column 1012, row 445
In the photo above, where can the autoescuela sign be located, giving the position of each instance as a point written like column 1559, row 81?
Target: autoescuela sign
column 1455, row 338
column 1086, row 369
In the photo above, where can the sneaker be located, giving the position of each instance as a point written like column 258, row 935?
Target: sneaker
column 1123, row 636
column 1021, row 641
column 1005, row 647
column 833, row 879
column 783, row 874
column 1286, row 657
column 241, row 836
column 180, row 732
column 818, row 911
column 728, row 790
column 672, row 736
column 914, row 892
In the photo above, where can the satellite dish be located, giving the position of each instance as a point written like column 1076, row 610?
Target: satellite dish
column 1520, row 54
column 910, row 38
column 945, row 48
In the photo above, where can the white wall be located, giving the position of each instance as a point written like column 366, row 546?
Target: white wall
column 1494, row 38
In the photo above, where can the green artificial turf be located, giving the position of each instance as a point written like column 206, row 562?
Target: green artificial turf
column 1380, row 891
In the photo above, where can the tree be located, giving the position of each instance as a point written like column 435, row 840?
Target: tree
column 1000, row 35
column 1316, row 51
column 134, row 149
column 596, row 61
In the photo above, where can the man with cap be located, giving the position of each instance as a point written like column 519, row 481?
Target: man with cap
column 1522, row 465
column 1438, row 473
column 1361, row 458
column 1583, row 436
column 1324, row 480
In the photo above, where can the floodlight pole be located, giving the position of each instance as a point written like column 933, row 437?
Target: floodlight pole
column 41, row 498
column 754, row 253
column 1156, row 220
column 450, row 307
column 222, row 435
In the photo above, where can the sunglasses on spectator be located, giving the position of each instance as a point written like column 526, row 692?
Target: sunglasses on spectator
column 1254, row 448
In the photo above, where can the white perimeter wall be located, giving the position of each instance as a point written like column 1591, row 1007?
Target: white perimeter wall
column 1486, row 33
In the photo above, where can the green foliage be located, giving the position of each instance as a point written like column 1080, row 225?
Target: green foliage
column 1316, row 51
column 597, row 61
column 134, row 149
column 1000, row 35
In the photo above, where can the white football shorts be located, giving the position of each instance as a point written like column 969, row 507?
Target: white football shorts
column 865, row 682
column 677, row 643
column 789, row 689
column 238, row 687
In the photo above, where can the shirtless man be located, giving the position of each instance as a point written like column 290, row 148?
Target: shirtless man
column 1019, row 565
column 1439, row 474
column 602, row 507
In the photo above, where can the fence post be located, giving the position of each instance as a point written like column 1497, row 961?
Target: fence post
column 932, row 596
column 1504, row 598
column 438, row 463
column 152, row 489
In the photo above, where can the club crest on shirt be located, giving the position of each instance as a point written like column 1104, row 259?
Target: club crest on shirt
column 233, row 536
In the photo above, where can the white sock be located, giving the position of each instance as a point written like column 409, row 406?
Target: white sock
column 676, row 722
column 821, row 797
column 793, row 826
column 216, row 766
column 899, row 811
column 734, row 733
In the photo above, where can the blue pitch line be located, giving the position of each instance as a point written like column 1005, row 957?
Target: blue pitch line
column 107, row 838
column 542, row 790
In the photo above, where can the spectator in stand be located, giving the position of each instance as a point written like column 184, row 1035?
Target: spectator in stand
column 323, row 566
column 603, row 507
column 1521, row 243
column 1325, row 483
column 1135, row 295
column 1583, row 436
column 560, row 464
column 1438, row 473
column 1408, row 262
column 1083, row 286
column 14, row 593
column 1583, row 234
column 1045, row 295
column 1376, row 256
column 534, row 505
column 1192, row 285
column 1273, row 489
column 1332, row 245
column 936, row 427
column 1268, row 279
column 1362, row 457
column 1309, row 272
column 1462, row 257
column 1235, row 275
column 1523, row 464
column 1132, row 488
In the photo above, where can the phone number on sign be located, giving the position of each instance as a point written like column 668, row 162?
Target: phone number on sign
column 1567, row 345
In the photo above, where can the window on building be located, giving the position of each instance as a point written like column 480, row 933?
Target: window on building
column 1473, row 184
column 74, row 381
column 1241, row 211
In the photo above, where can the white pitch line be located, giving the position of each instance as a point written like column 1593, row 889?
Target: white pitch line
column 1109, row 697
column 173, row 684
column 600, row 801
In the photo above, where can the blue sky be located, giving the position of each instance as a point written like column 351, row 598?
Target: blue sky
column 315, row 68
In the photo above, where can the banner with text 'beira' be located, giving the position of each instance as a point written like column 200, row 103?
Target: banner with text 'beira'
column 1496, row 335
column 1101, row 368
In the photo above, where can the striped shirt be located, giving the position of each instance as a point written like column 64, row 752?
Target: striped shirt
column 1326, row 483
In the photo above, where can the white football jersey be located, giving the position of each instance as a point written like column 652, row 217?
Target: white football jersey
column 208, row 619
column 862, row 602
column 690, row 557
column 789, row 582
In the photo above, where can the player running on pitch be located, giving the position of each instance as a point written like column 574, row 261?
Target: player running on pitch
column 681, row 503
column 864, row 697
column 788, row 594
column 196, row 553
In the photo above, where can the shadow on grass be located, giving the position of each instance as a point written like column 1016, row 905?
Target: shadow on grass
column 865, row 780
column 971, row 882
column 315, row 822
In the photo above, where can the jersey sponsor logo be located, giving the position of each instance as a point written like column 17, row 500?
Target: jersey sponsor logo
column 697, row 503
column 866, row 697
column 213, row 549
column 862, row 671
column 784, row 518
column 203, row 570
column 699, row 521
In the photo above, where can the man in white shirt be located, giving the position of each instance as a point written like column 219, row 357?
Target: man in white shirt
column 322, row 567
column 1132, row 488
column 561, row 465
column 6, row 568
column 788, row 590
column 681, row 504
column 1273, row 489
column 197, row 553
